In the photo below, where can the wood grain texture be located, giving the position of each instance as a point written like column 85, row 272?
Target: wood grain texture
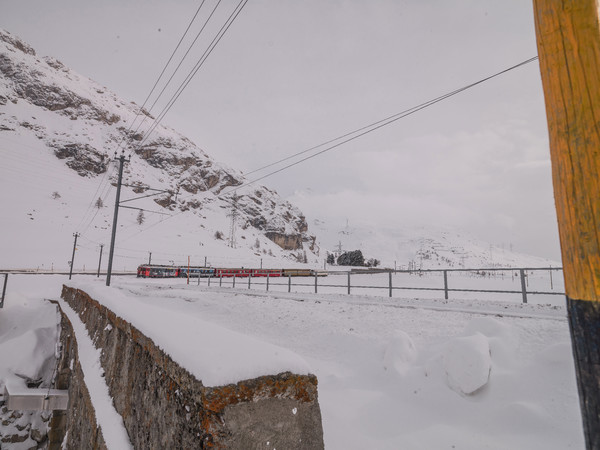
column 568, row 40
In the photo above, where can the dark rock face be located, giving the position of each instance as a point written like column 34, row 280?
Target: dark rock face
column 84, row 159
column 17, row 43
column 164, row 406
column 28, row 86
column 285, row 241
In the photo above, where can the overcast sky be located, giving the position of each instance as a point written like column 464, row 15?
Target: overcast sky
column 289, row 75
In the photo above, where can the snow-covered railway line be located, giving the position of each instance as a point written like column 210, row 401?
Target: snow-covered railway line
column 479, row 307
column 459, row 306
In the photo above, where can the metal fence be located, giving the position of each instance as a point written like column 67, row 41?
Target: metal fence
column 3, row 289
column 385, row 282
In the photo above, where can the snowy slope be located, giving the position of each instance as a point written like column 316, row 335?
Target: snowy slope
column 58, row 133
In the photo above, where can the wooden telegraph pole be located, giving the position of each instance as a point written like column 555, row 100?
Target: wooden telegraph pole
column 568, row 40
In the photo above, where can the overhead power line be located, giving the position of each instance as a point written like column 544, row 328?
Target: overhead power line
column 355, row 134
column 195, row 69
column 162, row 73
column 146, row 101
column 179, row 65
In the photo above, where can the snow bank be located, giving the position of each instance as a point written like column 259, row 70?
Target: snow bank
column 28, row 336
column 113, row 429
column 400, row 353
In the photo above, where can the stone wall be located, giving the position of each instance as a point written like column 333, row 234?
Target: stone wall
column 164, row 406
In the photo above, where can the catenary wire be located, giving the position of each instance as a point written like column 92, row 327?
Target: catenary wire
column 169, row 61
column 160, row 76
column 138, row 113
column 364, row 130
column 372, row 127
column 178, row 66
column 195, row 70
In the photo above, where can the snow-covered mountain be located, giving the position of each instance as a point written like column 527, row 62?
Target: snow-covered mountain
column 50, row 114
column 426, row 248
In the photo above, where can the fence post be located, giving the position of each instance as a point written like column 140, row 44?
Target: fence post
column 348, row 282
column 315, row 282
column 523, row 285
column 446, row 284
column 209, row 277
column 4, row 290
column 233, row 281
column 390, row 274
column 289, row 283
column 268, row 281
column 249, row 277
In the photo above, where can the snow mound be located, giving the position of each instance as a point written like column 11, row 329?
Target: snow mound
column 467, row 363
column 27, row 342
column 502, row 338
column 399, row 353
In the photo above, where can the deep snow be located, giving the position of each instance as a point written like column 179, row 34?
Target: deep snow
column 393, row 373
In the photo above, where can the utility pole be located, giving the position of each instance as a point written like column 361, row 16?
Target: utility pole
column 100, row 260
column 73, row 257
column 568, row 41
column 121, row 159
column 234, row 215
column 149, row 258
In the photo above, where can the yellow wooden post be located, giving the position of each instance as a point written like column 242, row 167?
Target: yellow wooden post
column 568, row 40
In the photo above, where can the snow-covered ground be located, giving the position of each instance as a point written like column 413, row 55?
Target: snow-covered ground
column 545, row 287
column 393, row 373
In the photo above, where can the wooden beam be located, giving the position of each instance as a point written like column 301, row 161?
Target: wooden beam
column 568, row 40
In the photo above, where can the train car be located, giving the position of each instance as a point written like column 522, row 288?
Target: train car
column 157, row 271
column 297, row 272
column 219, row 272
column 266, row 272
column 197, row 272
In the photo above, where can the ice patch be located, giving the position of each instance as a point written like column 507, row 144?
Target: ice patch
column 467, row 363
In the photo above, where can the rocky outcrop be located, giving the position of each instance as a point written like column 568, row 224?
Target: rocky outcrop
column 164, row 406
column 285, row 241
column 84, row 159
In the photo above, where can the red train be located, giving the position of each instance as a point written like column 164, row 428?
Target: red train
column 159, row 271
